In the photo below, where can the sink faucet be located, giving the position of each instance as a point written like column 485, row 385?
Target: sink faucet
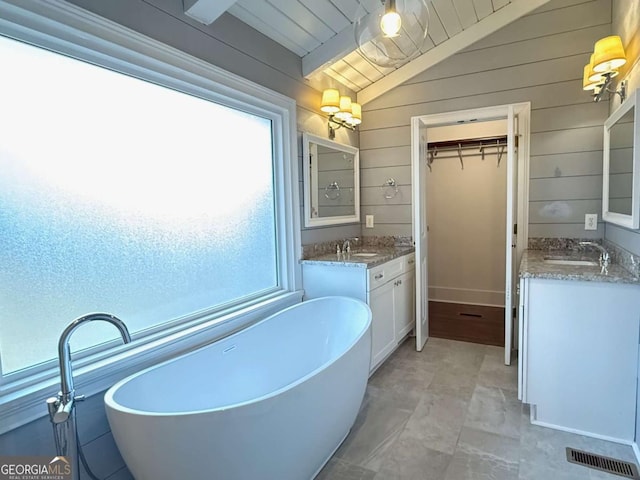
column 60, row 410
column 605, row 258
column 346, row 246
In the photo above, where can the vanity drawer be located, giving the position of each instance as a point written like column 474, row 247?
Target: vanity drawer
column 408, row 262
column 383, row 273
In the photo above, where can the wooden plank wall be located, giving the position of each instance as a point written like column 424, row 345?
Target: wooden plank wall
column 538, row 58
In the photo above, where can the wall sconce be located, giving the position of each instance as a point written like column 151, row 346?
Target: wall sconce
column 342, row 111
column 607, row 57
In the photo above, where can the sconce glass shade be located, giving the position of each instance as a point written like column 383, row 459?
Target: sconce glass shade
column 345, row 108
column 330, row 101
column 608, row 54
column 356, row 114
column 409, row 20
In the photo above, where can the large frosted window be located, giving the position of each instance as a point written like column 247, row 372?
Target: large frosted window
column 122, row 196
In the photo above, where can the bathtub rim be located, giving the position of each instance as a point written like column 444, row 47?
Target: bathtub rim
column 110, row 402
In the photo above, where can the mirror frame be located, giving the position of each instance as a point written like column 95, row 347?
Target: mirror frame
column 633, row 220
column 310, row 221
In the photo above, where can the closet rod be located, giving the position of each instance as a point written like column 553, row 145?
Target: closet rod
column 467, row 144
column 442, row 157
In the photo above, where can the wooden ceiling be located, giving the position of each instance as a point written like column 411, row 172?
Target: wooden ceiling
column 321, row 33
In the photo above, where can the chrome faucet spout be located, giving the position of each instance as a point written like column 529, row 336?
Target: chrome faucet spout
column 605, row 257
column 346, row 246
column 66, row 396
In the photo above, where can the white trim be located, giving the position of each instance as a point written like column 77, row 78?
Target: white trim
column 206, row 11
column 636, row 451
column 486, row 26
column 581, row 432
column 337, row 47
column 523, row 110
column 310, row 221
column 75, row 32
column 624, row 220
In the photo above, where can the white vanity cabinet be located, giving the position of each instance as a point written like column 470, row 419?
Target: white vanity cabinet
column 579, row 355
column 388, row 289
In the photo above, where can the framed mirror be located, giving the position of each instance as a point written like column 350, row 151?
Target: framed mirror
column 331, row 182
column 621, row 172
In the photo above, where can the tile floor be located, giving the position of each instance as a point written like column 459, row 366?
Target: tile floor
column 451, row 412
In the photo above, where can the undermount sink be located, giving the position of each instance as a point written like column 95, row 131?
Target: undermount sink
column 363, row 254
column 570, row 261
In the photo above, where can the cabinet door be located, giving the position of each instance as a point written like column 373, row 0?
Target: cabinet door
column 383, row 339
column 404, row 294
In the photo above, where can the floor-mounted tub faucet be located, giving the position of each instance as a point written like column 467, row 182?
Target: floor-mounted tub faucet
column 61, row 408
column 66, row 396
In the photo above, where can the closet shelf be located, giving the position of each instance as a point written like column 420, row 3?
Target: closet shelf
column 435, row 149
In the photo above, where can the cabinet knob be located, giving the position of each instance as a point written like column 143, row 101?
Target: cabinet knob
column 399, row 282
column 411, row 262
column 379, row 276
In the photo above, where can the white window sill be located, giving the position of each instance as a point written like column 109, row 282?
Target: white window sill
column 21, row 405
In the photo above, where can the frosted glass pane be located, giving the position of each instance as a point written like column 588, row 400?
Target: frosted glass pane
column 122, row 196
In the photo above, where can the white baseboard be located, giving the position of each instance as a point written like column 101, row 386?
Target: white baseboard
column 636, row 451
column 586, row 434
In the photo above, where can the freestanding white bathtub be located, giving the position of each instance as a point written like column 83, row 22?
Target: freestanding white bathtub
column 272, row 402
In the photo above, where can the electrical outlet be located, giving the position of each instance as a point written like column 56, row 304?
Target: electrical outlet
column 591, row 221
column 369, row 221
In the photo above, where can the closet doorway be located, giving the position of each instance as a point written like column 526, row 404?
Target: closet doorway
column 470, row 178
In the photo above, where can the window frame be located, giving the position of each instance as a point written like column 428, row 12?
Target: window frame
column 72, row 31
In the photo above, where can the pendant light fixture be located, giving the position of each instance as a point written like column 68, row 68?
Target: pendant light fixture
column 394, row 33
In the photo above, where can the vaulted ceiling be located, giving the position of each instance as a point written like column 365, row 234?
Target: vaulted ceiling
column 321, row 32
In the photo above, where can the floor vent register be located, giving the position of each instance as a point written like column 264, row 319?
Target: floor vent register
column 605, row 464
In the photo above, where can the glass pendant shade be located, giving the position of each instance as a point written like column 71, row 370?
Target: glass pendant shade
column 330, row 101
column 394, row 33
column 608, row 54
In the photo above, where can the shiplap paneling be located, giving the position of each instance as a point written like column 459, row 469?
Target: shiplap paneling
column 563, row 211
column 435, row 30
column 565, row 230
column 540, row 96
column 566, row 164
column 448, row 16
column 388, row 213
column 566, row 188
column 483, row 8
column 375, row 196
column 539, row 58
column 466, row 12
column 552, row 19
column 558, row 45
column 623, row 237
column 479, row 83
column 381, row 157
column 574, row 116
column 374, row 177
column 584, row 139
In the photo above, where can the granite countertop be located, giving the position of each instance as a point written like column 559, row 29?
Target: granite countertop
column 533, row 265
column 383, row 255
